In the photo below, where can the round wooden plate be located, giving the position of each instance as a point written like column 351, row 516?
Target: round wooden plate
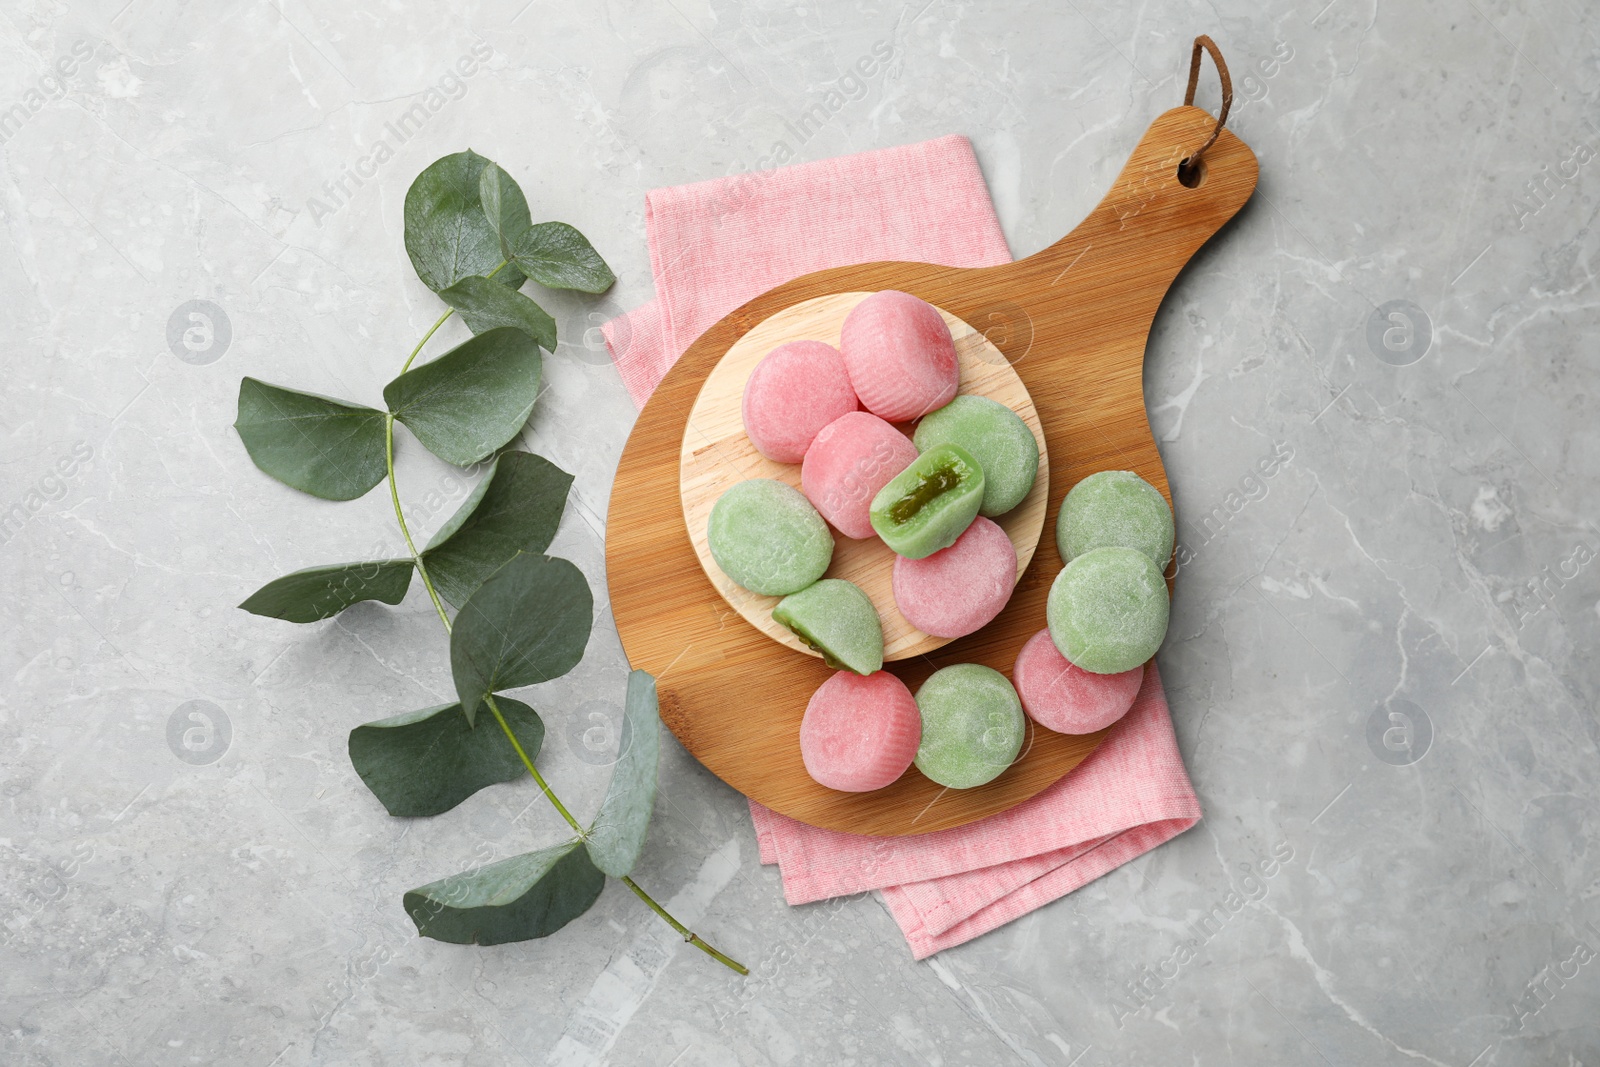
column 1072, row 320
column 717, row 453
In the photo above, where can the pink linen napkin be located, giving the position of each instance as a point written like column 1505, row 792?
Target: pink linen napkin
column 716, row 244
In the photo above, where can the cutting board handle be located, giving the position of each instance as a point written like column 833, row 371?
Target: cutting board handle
column 1150, row 223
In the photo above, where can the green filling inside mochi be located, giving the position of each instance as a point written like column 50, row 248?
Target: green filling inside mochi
column 930, row 503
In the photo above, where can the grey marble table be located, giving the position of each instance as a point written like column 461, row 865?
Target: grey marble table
column 1377, row 662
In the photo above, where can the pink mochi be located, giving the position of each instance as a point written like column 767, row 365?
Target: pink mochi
column 796, row 390
column 957, row 590
column 1069, row 699
column 852, row 458
column 860, row 734
column 900, row 356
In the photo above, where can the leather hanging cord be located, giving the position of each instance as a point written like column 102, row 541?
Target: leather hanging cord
column 1192, row 161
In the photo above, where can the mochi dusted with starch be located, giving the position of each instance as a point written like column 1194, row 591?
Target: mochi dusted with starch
column 852, row 458
column 901, row 358
column 860, row 734
column 957, row 590
column 795, row 391
column 768, row 538
column 1115, row 508
column 1108, row 610
column 837, row 619
column 972, row 725
column 1069, row 699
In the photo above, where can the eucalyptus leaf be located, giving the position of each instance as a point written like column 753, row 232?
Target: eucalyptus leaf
column 426, row 762
column 618, row 833
column 552, row 253
column 485, row 304
column 322, row 592
column 503, row 205
column 471, row 400
column 318, row 445
column 558, row 256
column 516, row 899
column 448, row 236
column 516, row 507
column 528, row 623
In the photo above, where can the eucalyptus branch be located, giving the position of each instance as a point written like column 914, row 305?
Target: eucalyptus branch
column 522, row 616
column 544, row 787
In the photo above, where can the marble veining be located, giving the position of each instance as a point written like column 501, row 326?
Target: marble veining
column 1374, row 394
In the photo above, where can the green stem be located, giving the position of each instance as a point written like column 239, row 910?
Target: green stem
column 438, row 322
column 544, row 786
column 400, row 516
column 688, row 935
column 422, row 571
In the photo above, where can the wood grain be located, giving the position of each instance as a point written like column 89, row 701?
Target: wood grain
column 1073, row 320
column 717, row 453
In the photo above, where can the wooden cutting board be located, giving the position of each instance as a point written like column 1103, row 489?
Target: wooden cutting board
column 1073, row 320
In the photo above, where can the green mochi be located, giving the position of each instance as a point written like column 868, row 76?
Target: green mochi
column 972, row 725
column 996, row 437
column 837, row 619
column 768, row 538
column 1115, row 508
column 930, row 503
column 1108, row 609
